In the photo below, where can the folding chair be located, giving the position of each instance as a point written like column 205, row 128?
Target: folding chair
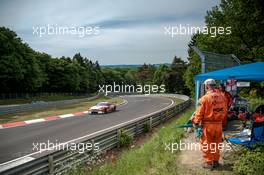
column 249, row 140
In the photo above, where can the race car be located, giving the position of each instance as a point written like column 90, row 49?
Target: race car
column 102, row 108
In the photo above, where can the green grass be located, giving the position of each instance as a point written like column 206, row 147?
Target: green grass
column 150, row 158
column 54, row 97
column 250, row 162
column 83, row 106
column 178, row 101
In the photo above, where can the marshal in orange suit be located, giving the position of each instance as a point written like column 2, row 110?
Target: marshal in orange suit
column 210, row 115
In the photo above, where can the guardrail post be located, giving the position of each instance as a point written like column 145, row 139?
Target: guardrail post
column 92, row 145
column 51, row 165
column 150, row 123
column 118, row 137
column 177, row 109
column 160, row 118
column 163, row 116
column 167, row 115
column 137, row 128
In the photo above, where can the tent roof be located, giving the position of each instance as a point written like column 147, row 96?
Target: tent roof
column 253, row 71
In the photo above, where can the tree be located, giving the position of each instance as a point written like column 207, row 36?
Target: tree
column 145, row 74
column 160, row 75
column 19, row 67
column 24, row 70
column 178, row 65
column 246, row 19
column 175, row 77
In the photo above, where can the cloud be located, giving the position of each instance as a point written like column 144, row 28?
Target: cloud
column 131, row 32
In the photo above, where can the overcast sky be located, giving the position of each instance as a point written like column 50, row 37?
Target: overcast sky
column 130, row 31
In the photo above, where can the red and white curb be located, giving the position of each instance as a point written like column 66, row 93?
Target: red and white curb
column 46, row 119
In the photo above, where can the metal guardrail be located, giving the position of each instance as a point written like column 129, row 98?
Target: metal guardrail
column 41, row 105
column 61, row 161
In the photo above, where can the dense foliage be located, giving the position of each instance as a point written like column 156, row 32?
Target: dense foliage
column 24, row 70
column 251, row 162
column 246, row 19
column 171, row 76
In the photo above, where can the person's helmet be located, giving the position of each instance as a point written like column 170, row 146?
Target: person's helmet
column 210, row 81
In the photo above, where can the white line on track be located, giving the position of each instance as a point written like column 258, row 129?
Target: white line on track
column 66, row 115
column 60, row 116
column 34, row 121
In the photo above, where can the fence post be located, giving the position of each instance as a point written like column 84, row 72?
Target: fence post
column 118, row 138
column 137, row 128
column 167, row 115
column 163, row 116
column 92, row 145
column 160, row 118
column 150, row 123
column 51, row 165
column 175, row 110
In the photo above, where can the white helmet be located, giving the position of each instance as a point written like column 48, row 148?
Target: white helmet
column 210, row 81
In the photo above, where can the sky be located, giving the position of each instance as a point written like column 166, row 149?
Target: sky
column 128, row 32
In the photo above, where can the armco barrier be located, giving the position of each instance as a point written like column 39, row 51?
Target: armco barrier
column 41, row 105
column 60, row 161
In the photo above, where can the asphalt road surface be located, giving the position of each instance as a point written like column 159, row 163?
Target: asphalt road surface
column 18, row 141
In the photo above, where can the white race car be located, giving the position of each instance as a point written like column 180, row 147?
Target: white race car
column 102, row 108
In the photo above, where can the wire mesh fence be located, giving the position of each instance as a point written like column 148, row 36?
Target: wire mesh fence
column 214, row 61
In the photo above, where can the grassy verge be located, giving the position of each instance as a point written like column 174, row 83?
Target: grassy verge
column 150, row 158
column 250, row 162
column 177, row 101
column 83, row 106
column 54, row 97
column 243, row 161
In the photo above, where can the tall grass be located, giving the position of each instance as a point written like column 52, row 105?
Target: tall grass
column 150, row 158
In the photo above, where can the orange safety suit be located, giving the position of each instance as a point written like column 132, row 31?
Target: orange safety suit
column 258, row 117
column 228, row 99
column 210, row 115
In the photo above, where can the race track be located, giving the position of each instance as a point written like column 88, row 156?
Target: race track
column 18, row 141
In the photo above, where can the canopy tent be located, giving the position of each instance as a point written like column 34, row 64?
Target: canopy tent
column 253, row 71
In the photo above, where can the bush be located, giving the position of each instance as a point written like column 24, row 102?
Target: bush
column 125, row 140
column 254, row 103
column 146, row 127
column 251, row 162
